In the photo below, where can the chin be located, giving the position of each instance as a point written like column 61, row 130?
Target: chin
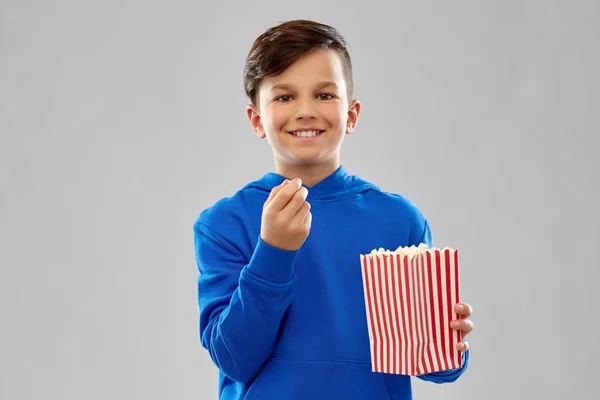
column 305, row 158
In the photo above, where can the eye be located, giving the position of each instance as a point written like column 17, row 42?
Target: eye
column 284, row 98
column 325, row 96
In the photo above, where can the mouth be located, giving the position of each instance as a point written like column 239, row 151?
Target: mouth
column 306, row 133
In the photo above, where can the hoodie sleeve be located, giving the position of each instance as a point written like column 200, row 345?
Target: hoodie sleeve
column 453, row 374
column 241, row 301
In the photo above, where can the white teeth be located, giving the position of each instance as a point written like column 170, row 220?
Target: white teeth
column 306, row 133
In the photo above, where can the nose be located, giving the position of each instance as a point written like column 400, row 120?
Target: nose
column 305, row 109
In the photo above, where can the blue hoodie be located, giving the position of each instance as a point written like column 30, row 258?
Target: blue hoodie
column 292, row 324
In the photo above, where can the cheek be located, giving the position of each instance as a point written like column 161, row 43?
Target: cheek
column 335, row 114
column 276, row 117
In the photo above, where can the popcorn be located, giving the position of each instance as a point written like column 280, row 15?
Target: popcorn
column 410, row 251
column 410, row 295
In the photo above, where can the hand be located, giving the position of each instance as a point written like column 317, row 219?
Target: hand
column 286, row 217
column 464, row 326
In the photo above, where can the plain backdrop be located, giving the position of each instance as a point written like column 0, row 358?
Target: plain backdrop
column 121, row 121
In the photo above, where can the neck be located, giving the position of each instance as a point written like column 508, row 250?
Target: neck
column 311, row 174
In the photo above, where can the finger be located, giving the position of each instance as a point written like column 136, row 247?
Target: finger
column 293, row 206
column 308, row 220
column 275, row 190
column 285, row 195
column 462, row 346
column 463, row 309
column 302, row 213
column 463, row 325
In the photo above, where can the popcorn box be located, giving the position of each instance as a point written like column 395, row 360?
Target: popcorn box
column 410, row 295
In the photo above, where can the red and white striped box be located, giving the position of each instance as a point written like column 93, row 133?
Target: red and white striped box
column 410, row 295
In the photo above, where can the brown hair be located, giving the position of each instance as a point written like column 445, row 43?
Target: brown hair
column 280, row 46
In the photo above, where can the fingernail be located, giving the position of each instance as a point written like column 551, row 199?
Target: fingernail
column 460, row 307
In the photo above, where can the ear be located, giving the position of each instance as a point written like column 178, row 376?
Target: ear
column 353, row 113
column 255, row 121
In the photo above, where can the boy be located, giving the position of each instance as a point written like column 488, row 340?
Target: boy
column 280, row 290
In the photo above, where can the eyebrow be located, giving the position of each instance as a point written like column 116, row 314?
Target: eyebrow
column 285, row 86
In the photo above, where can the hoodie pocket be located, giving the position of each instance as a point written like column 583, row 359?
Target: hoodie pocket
column 315, row 380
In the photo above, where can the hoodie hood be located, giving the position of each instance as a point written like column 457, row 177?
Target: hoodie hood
column 337, row 185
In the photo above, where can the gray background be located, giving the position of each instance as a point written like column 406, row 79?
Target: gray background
column 121, row 120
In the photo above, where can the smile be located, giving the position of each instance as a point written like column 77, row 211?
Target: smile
column 306, row 133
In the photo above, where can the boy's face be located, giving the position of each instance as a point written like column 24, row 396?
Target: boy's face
column 308, row 96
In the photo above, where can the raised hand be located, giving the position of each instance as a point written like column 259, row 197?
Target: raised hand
column 286, row 216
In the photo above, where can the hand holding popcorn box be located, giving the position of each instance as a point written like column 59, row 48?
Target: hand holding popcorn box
column 410, row 295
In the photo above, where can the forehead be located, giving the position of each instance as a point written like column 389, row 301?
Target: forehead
column 316, row 67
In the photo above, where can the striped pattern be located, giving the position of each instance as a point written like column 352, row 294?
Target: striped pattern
column 410, row 304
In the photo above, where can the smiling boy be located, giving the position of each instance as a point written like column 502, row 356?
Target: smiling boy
column 280, row 290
